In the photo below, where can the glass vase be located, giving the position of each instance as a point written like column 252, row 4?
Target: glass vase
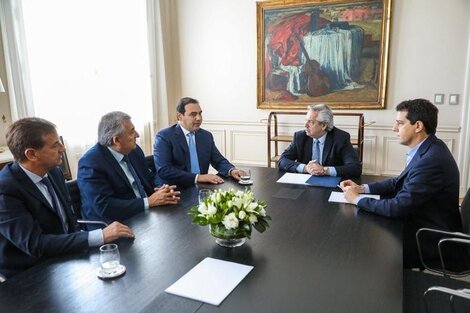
column 229, row 238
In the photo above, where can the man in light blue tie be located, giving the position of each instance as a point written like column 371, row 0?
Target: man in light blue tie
column 183, row 152
column 321, row 149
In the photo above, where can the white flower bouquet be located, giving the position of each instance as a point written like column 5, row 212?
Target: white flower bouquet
column 231, row 214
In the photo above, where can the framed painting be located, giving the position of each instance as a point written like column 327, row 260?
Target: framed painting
column 323, row 51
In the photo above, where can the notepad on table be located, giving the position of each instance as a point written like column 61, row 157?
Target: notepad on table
column 210, row 281
column 311, row 180
column 339, row 197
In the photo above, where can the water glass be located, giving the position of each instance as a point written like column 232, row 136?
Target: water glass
column 245, row 176
column 203, row 193
column 109, row 258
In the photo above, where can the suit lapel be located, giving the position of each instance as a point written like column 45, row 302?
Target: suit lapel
column 110, row 159
column 418, row 156
column 308, row 142
column 327, row 146
column 29, row 186
column 180, row 140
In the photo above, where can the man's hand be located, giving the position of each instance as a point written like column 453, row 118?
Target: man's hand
column 209, row 179
column 236, row 173
column 314, row 168
column 164, row 195
column 351, row 190
column 116, row 230
column 349, row 184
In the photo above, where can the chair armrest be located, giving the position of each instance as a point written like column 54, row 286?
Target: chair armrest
column 462, row 293
column 444, row 241
column 441, row 232
column 92, row 222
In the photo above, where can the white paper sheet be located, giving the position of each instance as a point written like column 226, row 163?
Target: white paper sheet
column 210, row 281
column 339, row 197
column 294, row 178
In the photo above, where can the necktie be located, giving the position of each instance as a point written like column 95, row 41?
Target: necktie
column 316, row 150
column 45, row 181
column 193, row 154
column 137, row 183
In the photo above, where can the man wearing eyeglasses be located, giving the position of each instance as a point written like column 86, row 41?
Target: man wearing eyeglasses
column 321, row 149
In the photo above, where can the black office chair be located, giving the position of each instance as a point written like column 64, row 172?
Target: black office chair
column 454, row 239
column 151, row 164
column 77, row 204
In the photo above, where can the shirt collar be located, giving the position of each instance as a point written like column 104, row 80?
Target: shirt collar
column 34, row 177
column 322, row 138
column 185, row 131
column 411, row 153
column 117, row 155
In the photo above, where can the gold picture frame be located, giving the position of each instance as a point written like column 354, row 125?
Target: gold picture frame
column 324, row 51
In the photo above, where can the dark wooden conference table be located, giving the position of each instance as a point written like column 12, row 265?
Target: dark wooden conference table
column 315, row 257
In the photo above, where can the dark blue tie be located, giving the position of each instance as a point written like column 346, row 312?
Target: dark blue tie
column 46, row 182
column 137, row 182
column 193, row 154
column 316, row 151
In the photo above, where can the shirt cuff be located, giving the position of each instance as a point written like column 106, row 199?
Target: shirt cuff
column 332, row 171
column 146, row 203
column 366, row 188
column 195, row 179
column 95, row 238
column 300, row 168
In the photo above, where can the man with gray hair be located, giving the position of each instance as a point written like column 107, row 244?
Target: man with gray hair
column 114, row 179
column 321, row 149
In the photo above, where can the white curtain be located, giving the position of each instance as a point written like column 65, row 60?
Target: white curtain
column 87, row 58
column 16, row 59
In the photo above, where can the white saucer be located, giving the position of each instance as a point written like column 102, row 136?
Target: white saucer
column 121, row 269
column 248, row 182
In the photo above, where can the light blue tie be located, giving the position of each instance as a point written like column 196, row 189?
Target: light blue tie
column 316, row 150
column 137, row 183
column 193, row 154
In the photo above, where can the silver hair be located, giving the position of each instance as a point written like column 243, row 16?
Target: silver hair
column 110, row 126
column 325, row 115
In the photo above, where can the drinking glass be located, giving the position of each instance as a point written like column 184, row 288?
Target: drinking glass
column 109, row 258
column 245, row 176
column 203, row 193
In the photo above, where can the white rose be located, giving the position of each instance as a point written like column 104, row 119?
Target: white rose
column 211, row 209
column 262, row 212
column 252, row 206
column 242, row 215
column 202, row 208
column 230, row 221
column 253, row 219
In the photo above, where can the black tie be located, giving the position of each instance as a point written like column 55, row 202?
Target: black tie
column 54, row 203
column 137, row 181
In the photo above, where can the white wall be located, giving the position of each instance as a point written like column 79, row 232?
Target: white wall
column 429, row 43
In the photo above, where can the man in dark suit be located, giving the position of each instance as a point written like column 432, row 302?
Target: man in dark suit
column 114, row 180
column 427, row 191
column 36, row 217
column 321, row 149
column 183, row 152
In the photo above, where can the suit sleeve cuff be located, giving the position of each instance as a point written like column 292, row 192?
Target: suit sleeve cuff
column 95, row 238
column 146, row 203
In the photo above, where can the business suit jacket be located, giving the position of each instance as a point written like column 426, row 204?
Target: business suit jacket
column 105, row 191
column 172, row 161
column 424, row 195
column 30, row 229
column 337, row 152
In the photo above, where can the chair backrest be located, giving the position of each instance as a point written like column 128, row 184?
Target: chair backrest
column 75, row 196
column 465, row 213
column 150, row 164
